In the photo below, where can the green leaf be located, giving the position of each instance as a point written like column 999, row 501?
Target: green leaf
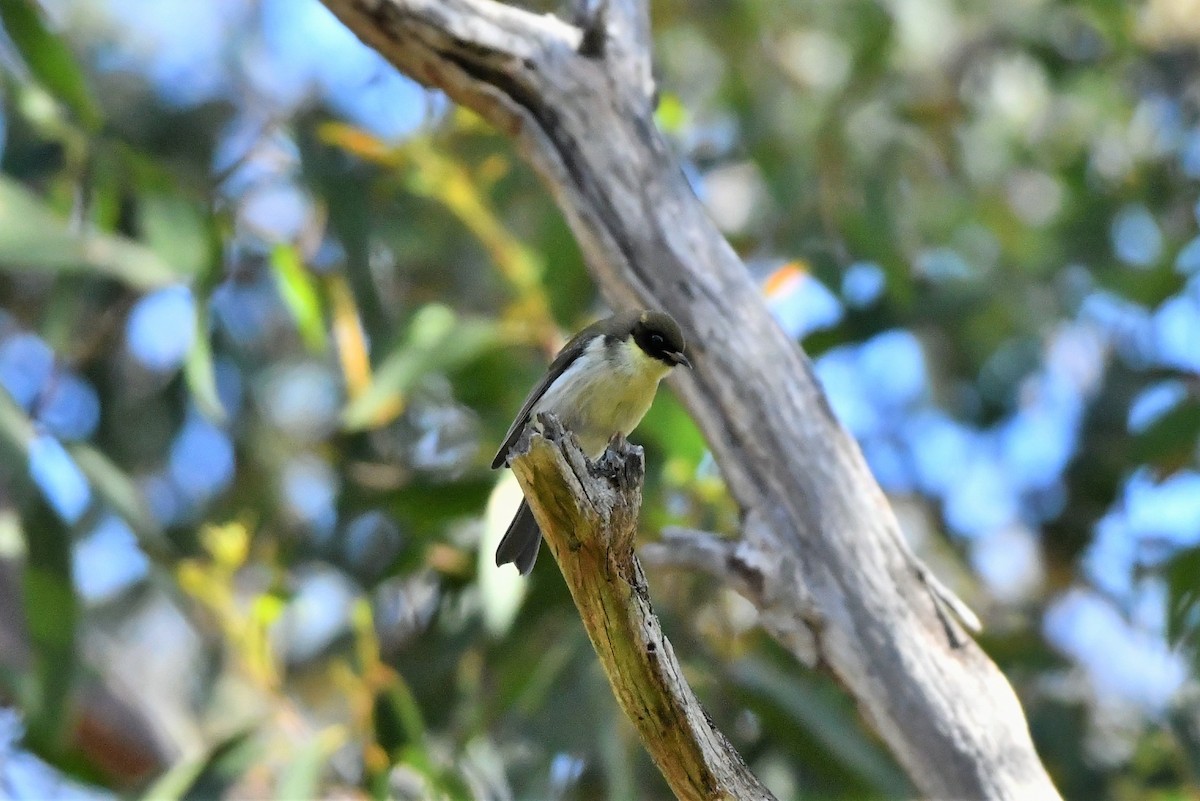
column 198, row 370
column 299, row 291
column 436, row 339
column 1171, row 438
column 49, row 59
column 1183, row 595
column 209, row 776
column 51, row 613
column 118, row 490
column 669, row 423
column 33, row 239
column 175, row 783
column 427, row 505
column 302, row 777
column 342, row 188
column 49, row 596
column 400, row 713
column 175, row 229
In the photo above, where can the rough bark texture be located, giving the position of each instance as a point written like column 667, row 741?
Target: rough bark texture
column 588, row 514
column 822, row 555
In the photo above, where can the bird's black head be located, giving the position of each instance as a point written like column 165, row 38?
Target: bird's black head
column 658, row 335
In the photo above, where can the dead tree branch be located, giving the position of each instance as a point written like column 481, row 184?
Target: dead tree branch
column 578, row 102
column 588, row 513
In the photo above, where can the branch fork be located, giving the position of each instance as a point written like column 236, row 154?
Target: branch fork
column 583, row 118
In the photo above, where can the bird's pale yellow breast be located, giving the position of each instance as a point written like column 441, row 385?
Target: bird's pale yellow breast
column 604, row 393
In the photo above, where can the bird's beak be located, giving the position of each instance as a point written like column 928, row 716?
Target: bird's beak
column 679, row 358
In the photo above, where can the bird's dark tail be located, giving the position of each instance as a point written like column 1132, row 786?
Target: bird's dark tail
column 521, row 541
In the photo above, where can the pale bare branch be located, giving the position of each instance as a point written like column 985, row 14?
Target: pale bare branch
column 588, row 514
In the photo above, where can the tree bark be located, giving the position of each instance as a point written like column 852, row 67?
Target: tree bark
column 588, row 513
column 822, row 555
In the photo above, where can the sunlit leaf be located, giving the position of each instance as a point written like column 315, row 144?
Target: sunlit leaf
column 436, row 340
column 433, row 173
column 209, row 776
column 34, row 239
column 302, row 776
column 439, row 176
column 49, row 59
column 228, row 544
column 175, row 783
column 502, row 589
column 299, row 292
column 351, row 218
column 359, row 142
column 671, row 114
column 349, row 337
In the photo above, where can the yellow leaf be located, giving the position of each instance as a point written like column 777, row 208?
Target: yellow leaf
column 229, row 544
column 357, row 141
column 191, row 577
column 348, row 337
column 784, row 279
column 671, row 113
column 267, row 608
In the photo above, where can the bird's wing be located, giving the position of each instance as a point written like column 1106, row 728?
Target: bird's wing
column 565, row 358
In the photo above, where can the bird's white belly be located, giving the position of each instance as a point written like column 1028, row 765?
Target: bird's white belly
column 598, row 397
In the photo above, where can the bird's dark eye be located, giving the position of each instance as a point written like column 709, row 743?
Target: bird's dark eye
column 657, row 342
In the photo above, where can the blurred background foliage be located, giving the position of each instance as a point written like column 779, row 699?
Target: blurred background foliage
column 268, row 306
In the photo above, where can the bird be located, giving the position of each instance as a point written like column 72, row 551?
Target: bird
column 599, row 385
